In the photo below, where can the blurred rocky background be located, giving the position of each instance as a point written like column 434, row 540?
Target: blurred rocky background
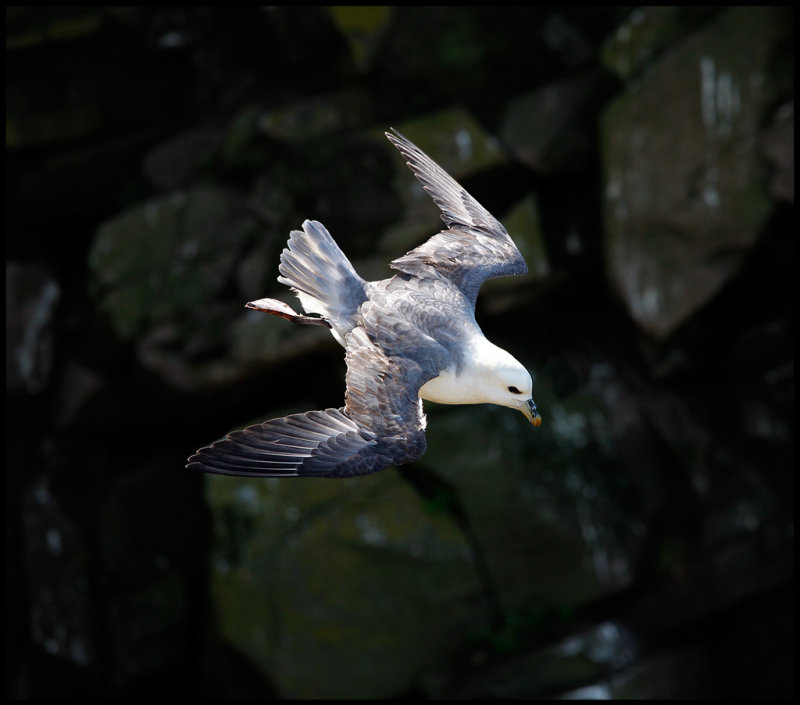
column 638, row 544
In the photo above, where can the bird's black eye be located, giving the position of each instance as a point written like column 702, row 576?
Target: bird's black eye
column 514, row 390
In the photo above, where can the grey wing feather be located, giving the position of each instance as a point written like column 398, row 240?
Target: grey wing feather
column 474, row 246
column 312, row 444
column 379, row 426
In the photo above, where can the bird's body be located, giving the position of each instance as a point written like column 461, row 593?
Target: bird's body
column 410, row 337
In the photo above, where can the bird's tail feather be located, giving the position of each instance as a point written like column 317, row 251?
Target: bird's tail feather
column 322, row 276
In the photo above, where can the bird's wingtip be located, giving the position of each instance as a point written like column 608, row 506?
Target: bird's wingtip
column 395, row 136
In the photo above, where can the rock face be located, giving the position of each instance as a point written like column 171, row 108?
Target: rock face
column 362, row 570
column 165, row 257
column 685, row 196
column 639, row 543
column 32, row 298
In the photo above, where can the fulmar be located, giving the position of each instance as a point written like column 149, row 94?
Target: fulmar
column 407, row 338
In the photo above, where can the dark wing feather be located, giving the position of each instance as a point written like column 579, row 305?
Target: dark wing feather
column 379, row 426
column 314, row 443
column 474, row 246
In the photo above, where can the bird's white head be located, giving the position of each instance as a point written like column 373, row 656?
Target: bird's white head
column 503, row 380
column 509, row 384
column 489, row 375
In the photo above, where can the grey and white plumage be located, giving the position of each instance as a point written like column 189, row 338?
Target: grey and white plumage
column 407, row 338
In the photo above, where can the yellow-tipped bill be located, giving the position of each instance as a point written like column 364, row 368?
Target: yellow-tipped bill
column 531, row 413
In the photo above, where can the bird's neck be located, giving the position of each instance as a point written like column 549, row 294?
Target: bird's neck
column 470, row 383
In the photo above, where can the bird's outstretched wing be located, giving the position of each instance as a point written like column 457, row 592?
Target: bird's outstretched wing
column 473, row 247
column 380, row 425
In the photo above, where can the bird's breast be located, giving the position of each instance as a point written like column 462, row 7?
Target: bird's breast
column 449, row 388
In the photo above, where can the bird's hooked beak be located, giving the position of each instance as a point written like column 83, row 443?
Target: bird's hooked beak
column 531, row 412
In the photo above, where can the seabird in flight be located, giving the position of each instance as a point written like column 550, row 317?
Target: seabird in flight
column 407, row 338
